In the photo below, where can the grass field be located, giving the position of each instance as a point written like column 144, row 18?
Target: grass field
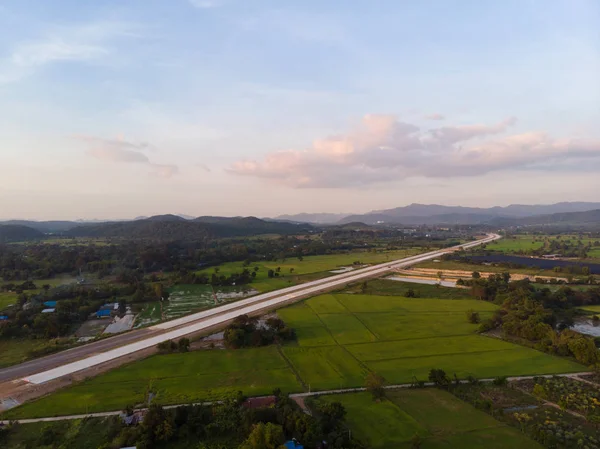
column 341, row 337
column 294, row 271
column 15, row 351
column 452, row 265
column 7, row 299
column 594, row 309
column 439, row 418
column 175, row 378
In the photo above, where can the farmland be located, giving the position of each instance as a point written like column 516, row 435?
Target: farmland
column 340, row 339
column 294, row 271
column 438, row 418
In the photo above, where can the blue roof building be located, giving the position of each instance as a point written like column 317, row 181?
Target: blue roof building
column 50, row 303
column 293, row 445
column 103, row 313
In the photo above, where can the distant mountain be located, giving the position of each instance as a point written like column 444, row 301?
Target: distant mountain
column 17, row 233
column 172, row 227
column 323, row 218
column 48, row 227
column 586, row 218
column 166, row 217
column 438, row 214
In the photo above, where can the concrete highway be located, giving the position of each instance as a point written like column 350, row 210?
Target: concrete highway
column 90, row 355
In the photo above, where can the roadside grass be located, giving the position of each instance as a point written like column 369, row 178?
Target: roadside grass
column 440, row 419
column 16, row 351
column 399, row 338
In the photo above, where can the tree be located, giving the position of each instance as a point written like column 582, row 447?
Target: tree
column 375, row 385
column 473, row 317
column 256, row 268
column 475, row 275
column 440, row 275
column 270, row 273
column 363, row 287
column 439, row 378
column 264, row 436
column 122, row 307
column 183, row 344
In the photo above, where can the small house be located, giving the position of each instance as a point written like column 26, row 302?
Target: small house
column 293, row 444
column 50, row 304
column 50, row 310
column 103, row 313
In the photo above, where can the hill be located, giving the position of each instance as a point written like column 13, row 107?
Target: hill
column 587, row 218
column 48, row 227
column 17, row 233
column 430, row 214
column 167, row 227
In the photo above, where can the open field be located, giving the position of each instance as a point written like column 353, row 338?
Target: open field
column 15, row 351
column 440, row 419
column 293, row 271
column 174, row 378
column 459, row 266
column 381, row 287
column 594, row 309
column 7, row 299
column 341, row 337
column 525, row 243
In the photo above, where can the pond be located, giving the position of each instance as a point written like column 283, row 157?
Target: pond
column 545, row 264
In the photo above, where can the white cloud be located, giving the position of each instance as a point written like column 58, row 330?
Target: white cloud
column 383, row 149
column 122, row 151
column 82, row 43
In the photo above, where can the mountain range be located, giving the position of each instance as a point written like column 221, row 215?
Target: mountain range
column 428, row 214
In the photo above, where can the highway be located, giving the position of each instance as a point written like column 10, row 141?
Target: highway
column 75, row 360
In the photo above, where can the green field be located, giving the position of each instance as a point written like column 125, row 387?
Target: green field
column 176, row 379
column 294, row 271
column 521, row 243
column 439, row 418
column 594, row 309
column 341, row 337
column 7, row 299
column 453, row 266
column 16, row 351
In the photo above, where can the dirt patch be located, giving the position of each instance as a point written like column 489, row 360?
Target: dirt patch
column 92, row 327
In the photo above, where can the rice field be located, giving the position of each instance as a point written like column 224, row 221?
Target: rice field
column 437, row 417
column 340, row 339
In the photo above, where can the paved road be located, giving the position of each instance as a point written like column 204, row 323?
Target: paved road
column 295, row 395
column 93, row 354
column 70, row 355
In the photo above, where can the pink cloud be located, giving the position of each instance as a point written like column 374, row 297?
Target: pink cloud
column 435, row 116
column 382, row 149
column 122, row 151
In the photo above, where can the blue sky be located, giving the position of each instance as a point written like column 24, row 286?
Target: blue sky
column 117, row 109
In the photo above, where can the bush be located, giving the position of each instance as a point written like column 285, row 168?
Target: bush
column 473, row 317
column 500, row 381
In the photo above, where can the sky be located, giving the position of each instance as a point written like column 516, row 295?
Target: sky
column 118, row 109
